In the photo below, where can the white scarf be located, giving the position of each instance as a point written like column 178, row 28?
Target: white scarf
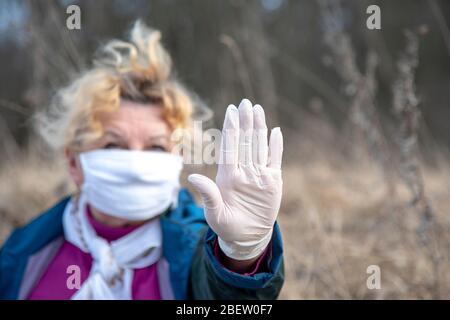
column 111, row 275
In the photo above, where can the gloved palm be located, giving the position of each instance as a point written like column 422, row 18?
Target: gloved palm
column 242, row 205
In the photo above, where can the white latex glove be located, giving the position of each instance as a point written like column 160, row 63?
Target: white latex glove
column 242, row 205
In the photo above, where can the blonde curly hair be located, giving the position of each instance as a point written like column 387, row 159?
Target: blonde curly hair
column 139, row 70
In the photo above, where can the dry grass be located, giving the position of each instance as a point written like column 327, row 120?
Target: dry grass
column 338, row 222
column 29, row 183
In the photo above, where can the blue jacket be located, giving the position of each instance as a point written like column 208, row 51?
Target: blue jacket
column 193, row 270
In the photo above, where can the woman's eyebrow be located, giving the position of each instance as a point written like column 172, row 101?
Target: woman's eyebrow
column 157, row 138
column 113, row 133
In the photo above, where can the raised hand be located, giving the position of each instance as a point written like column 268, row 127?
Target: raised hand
column 241, row 206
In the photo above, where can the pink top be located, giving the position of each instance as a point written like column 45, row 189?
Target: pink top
column 53, row 283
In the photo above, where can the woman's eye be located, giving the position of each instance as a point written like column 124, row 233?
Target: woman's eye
column 157, row 148
column 112, row 146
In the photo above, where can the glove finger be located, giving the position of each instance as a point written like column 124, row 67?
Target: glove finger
column 245, row 133
column 260, row 148
column 230, row 140
column 210, row 193
column 275, row 148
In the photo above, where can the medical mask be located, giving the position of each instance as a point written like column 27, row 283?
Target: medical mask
column 132, row 185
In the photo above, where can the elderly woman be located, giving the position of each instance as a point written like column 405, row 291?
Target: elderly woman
column 131, row 232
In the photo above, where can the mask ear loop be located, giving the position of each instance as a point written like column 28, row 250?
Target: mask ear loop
column 174, row 202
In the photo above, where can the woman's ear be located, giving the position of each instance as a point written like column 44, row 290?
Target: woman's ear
column 74, row 166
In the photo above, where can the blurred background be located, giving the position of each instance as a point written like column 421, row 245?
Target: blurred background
column 365, row 116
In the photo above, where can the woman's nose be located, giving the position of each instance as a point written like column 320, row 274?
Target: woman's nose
column 136, row 146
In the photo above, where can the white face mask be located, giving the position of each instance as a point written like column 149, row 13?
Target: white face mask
column 132, row 185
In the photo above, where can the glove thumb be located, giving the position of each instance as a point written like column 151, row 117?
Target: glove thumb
column 208, row 190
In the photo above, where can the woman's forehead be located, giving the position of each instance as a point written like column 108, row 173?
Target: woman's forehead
column 135, row 117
